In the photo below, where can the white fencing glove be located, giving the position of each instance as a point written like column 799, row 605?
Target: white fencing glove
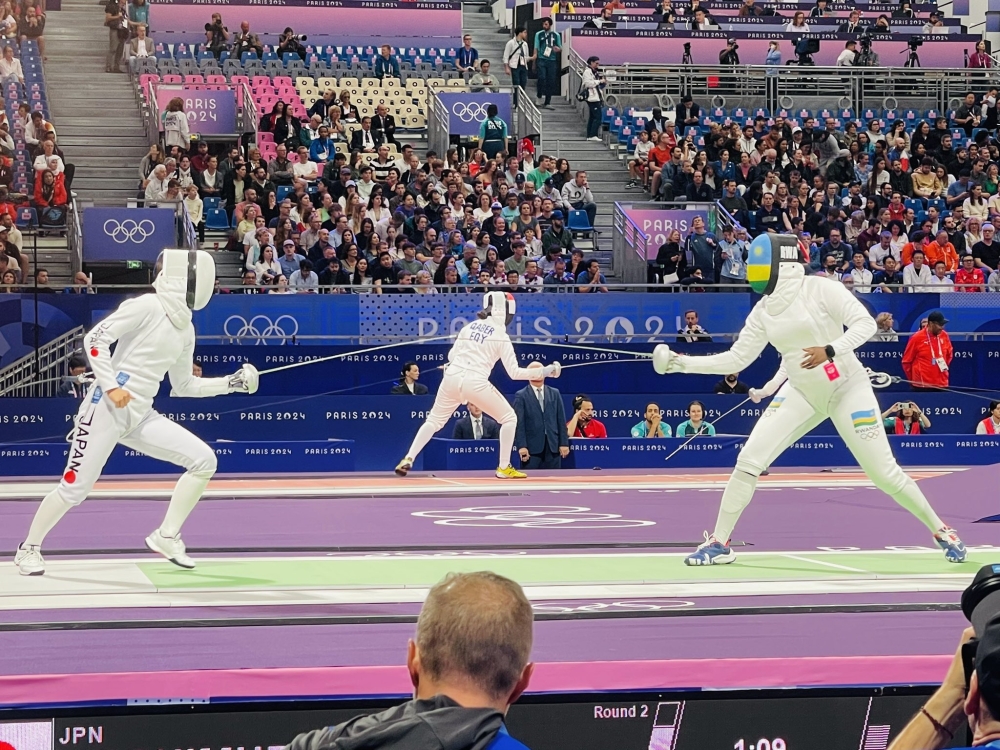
column 244, row 380
column 665, row 360
column 556, row 370
column 756, row 396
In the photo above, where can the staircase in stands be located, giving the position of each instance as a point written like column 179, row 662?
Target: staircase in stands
column 563, row 130
column 95, row 116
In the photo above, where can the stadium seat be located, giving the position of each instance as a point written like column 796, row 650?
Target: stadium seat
column 578, row 222
column 217, row 220
column 283, row 191
column 211, row 203
column 27, row 217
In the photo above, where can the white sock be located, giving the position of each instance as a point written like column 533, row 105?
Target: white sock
column 187, row 493
column 53, row 508
column 423, row 437
column 737, row 495
column 911, row 498
column 507, row 430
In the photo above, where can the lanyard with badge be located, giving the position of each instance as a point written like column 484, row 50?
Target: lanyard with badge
column 939, row 359
column 547, row 43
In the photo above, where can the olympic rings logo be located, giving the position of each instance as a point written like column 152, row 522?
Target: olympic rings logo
column 129, row 230
column 531, row 517
column 628, row 605
column 261, row 327
column 469, row 112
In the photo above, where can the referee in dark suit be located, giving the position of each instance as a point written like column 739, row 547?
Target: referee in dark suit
column 476, row 426
column 540, row 438
column 408, row 385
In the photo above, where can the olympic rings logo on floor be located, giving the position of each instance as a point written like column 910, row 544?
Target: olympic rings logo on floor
column 129, row 230
column 469, row 112
column 629, row 605
column 531, row 517
column 260, row 327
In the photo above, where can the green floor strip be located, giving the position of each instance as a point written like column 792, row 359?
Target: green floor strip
column 552, row 569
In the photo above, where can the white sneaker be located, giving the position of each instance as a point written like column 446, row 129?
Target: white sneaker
column 171, row 548
column 29, row 560
column 596, row 139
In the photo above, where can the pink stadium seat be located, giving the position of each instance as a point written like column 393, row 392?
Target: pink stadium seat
column 216, row 79
column 283, row 81
column 194, row 79
column 145, row 79
column 172, row 78
column 260, row 81
column 237, row 80
column 265, row 137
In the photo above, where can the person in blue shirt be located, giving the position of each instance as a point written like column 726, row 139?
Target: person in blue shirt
column 290, row 260
column 695, row 424
column 651, row 426
column 386, row 66
column 591, row 279
column 322, row 148
column 465, row 60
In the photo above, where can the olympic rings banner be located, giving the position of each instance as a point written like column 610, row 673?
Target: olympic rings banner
column 111, row 234
column 466, row 112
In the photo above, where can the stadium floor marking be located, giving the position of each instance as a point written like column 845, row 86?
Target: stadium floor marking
column 381, row 485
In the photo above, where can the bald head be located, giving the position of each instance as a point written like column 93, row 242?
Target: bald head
column 539, row 380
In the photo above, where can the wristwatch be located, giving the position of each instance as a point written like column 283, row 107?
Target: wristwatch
column 830, row 353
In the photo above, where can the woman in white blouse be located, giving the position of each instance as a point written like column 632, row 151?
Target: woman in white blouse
column 377, row 210
column 798, row 23
column 267, row 265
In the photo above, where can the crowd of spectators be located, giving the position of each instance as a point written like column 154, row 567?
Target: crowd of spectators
column 392, row 224
column 882, row 206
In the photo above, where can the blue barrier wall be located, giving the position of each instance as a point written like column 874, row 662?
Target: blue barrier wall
column 383, row 426
column 591, row 317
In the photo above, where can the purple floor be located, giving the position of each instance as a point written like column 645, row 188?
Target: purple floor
column 785, row 519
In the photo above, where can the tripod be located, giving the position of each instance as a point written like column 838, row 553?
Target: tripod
column 912, row 60
column 686, row 59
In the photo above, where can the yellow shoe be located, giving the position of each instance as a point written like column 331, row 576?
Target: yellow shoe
column 509, row 472
column 404, row 466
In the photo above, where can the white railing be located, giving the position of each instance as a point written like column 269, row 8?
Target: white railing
column 438, row 124
column 528, row 119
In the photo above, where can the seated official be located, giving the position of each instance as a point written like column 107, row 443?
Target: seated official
column 408, row 385
column 695, row 423
column 583, row 424
column 476, row 426
column 652, row 426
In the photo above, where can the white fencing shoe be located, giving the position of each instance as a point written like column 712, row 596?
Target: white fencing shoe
column 171, row 548
column 29, row 560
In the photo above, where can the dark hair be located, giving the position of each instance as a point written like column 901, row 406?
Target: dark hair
column 491, row 110
column 698, row 403
column 579, row 400
column 406, row 368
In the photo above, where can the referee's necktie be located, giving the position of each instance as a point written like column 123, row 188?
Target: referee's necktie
column 477, row 429
column 541, row 399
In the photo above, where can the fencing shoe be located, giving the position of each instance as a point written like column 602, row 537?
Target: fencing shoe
column 947, row 539
column 404, row 466
column 509, row 472
column 171, row 548
column 29, row 560
column 711, row 552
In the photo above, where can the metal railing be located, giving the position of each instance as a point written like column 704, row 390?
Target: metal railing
column 247, row 117
column 629, row 248
column 74, row 235
column 793, row 86
column 438, row 124
column 150, row 112
column 37, row 375
column 528, row 119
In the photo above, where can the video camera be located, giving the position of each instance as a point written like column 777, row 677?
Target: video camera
column 913, row 42
column 865, row 40
column 980, row 604
column 804, row 50
column 215, row 28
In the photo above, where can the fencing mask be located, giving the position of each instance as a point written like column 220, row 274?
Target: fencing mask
column 500, row 307
column 195, row 269
column 769, row 254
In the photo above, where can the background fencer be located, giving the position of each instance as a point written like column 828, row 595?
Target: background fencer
column 155, row 337
column 804, row 318
column 467, row 378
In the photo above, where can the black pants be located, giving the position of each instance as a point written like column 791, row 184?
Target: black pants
column 544, row 460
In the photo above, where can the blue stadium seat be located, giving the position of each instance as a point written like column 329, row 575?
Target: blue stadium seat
column 578, row 222
column 216, row 219
column 937, row 203
column 917, row 204
column 26, row 217
column 211, row 203
column 283, row 191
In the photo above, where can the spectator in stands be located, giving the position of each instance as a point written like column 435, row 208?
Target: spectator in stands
column 216, row 36
column 968, row 278
column 890, row 279
column 291, row 260
column 548, row 45
column 728, row 55
column 591, row 86
column 288, row 130
column 72, row 386
column 304, row 280
column 81, row 285
column 942, row 249
column 884, row 330
column 384, row 127
column 476, row 426
column 386, row 66
column 246, row 41
column 928, row 355
column 557, row 239
column 347, row 110
column 408, row 385
column 290, row 43
column 591, row 279
column 157, row 184
column 8, row 24
column 211, row 181
column 365, row 140
column 10, row 68
column 175, row 121
column 42, row 282
column 692, row 332
column 987, row 251
column 687, row 113
column 905, row 418
column 483, row 80
column 939, row 279
column 917, row 275
column 695, row 424
column 8, row 282
column 558, row 279
column 797, row 24
column 990, row 425
column 852, row 25
column 305, row 168
column 577, row 194
column 465, row 59
column 33, row 27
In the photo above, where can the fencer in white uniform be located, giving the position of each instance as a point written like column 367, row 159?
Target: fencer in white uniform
column 804, row 318
column 155, row 337
column 477, row 349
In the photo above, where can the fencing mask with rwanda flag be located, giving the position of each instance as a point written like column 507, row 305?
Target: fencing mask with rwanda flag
column 768, row 254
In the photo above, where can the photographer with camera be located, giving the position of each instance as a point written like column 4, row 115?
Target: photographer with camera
column 970, row 691
column 729, row 55
column 292, row 43
column 216, row 36
column 866, row 57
